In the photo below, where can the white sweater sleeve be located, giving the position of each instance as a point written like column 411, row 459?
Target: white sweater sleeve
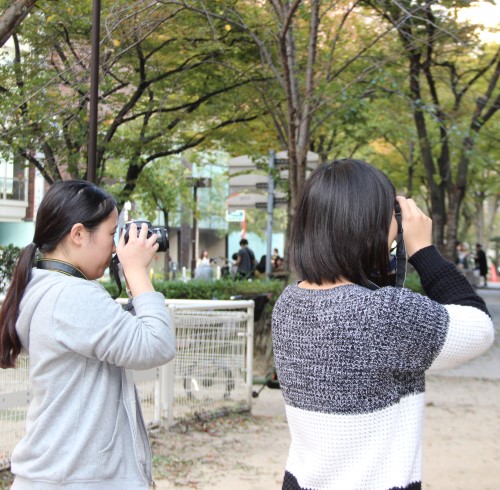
column 470, row 333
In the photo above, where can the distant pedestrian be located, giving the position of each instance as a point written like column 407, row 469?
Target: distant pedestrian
column 245, row 262
column 203, row 269
column 481, row 264
column 463, row 256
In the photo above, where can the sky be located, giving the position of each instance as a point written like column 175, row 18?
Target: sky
column 485, row 13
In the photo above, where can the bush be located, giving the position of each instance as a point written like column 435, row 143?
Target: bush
column 8, row 260
column 222, row 289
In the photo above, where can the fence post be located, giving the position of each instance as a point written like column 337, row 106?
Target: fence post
column 250, row 329
column 167, row 382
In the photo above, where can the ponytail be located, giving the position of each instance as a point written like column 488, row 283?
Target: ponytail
column 66, row 203
column 10, row 345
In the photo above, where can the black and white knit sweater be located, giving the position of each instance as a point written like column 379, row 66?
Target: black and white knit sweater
column 351, row 364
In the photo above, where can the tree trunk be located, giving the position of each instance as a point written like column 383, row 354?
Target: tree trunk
column 12, row 18
column 492, row 213
column 437, row 193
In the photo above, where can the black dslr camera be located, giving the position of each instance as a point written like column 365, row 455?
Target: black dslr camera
column 161, row 233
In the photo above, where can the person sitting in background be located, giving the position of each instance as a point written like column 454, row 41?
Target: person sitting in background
column 261, row 266
column 204, row 269
column 275, row 255
column 279, row 271
column 225, row 271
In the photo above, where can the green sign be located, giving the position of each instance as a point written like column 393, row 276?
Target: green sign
column 235, row 216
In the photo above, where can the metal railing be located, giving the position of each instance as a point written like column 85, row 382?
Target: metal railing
column 210, row 375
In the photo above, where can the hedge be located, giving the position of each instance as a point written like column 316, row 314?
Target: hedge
column 221, row 289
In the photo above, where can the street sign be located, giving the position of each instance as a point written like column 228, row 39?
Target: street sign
column 281, row 162
column 200, row 181
column 236, row 216
column 280, row 200
column 245, row 201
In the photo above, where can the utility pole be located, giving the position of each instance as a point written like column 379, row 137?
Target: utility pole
column 94, row 92
column 196, row 182
column 270, row 207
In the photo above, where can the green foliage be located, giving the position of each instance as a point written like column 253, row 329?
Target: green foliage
column 170, row 80
column 8, row 260
column 413, row 282
column 222, row 289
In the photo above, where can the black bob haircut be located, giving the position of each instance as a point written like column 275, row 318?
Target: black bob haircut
column 342, row 222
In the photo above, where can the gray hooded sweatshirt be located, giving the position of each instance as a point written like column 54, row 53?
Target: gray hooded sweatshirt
column 84, row 427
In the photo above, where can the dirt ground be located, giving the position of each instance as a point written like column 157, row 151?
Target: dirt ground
column 249, row 451
column 461, row 443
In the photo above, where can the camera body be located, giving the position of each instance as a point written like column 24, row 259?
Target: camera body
column 161, row 233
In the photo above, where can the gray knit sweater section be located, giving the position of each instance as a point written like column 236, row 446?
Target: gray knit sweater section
column 350, row 350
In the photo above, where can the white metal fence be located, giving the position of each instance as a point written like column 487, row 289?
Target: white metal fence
column 211, row 373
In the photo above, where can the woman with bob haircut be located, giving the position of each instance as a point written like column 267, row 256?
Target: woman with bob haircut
column 84, row 426
column 350, row 357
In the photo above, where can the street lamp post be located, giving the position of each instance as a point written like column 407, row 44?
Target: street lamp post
column 94, row 92
column 270, row 208
column 196, row 183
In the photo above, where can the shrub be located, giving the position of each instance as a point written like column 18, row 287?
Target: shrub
column 8, row 260
column 222, row 289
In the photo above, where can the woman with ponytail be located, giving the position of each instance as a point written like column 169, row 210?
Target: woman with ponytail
column 84, row 427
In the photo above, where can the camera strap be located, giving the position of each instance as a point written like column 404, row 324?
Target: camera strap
column 60, row 266
column 400, row 252
column 114, row 270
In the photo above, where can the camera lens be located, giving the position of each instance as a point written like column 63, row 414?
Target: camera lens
column 161, row 234
column 161, row 238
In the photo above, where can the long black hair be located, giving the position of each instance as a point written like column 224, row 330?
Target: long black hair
column 342, row 222
column 65, row 204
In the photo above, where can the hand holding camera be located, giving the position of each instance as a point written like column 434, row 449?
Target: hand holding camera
column 417, row 227
column 136, row 250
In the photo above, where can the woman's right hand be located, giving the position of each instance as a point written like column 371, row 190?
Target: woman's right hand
column 417, row 227
column 136, row 256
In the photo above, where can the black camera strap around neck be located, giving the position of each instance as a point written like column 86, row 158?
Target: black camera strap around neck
column 60, row 266
column 114, row 270
column 70, row 270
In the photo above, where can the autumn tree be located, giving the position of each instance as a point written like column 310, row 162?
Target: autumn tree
column 12, row 14
column 452, row 85
column 317, row 70
column 166, row 86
